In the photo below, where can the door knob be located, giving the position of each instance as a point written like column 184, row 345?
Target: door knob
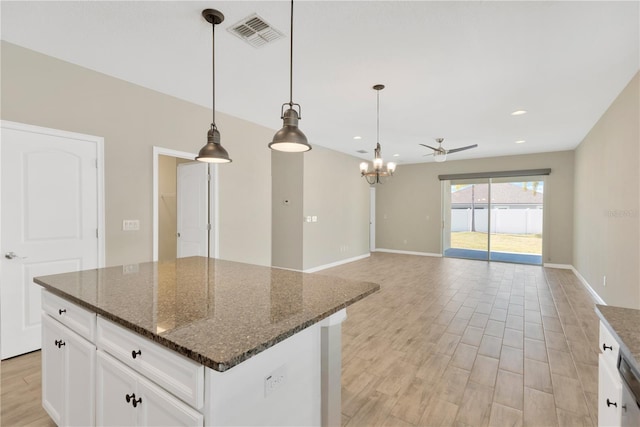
column 11, row 255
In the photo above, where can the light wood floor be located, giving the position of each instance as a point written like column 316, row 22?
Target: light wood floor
column 458, row 342
column 445, row 342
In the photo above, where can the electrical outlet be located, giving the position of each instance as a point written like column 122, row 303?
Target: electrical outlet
column 274, row 381
column 604, row 281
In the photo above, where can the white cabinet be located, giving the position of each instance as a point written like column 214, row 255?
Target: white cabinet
column 125, row 397
column 609, row 381
column 180, row 376
column 609, row 393
column 68, row 375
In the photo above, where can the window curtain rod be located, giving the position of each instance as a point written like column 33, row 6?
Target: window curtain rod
column 501, row 174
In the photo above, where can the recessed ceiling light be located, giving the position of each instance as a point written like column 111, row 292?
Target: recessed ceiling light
column 519, row 112
column 357, row 137
column 520, row 141
column 396, row 155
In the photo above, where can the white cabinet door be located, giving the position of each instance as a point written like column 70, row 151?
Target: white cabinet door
column 52, row 369
column 80, row 384
column 68, row 375
column 609, row 393
column 114, row 383
column 159, row 408
column 153, row 405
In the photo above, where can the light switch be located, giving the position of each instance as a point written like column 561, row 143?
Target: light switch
column 314, row 219
column 308, row 219
column 130, row 225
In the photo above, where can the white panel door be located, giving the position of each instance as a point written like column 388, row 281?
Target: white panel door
column 192, row 210
column 49, row 198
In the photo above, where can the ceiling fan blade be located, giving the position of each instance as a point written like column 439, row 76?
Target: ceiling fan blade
column 430, row 154
column 455, row 150
column 428, row 146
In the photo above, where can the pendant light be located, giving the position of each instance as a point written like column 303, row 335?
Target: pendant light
column 379, row 171
column 213, row 151
column 290, row 138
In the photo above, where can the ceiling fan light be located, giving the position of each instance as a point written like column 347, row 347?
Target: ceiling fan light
column 290, row 138
column 440, row 157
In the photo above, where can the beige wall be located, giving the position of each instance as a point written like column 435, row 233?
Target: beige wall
column 606, row 228
column 339, row 197
column 167, row 208
column 44, row 91
column 409, row 214
column 286, row 205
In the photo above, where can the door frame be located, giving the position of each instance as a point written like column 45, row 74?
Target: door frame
column 214, row 245
column 372, row 219
column 99, row 141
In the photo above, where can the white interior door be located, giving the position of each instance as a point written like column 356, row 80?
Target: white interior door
column 49, row 222
column 192, row 210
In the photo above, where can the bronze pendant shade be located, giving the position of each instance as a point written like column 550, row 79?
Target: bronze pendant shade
column 290, row 138
column 213, row 151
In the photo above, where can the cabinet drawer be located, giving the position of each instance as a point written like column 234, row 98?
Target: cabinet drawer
column 609, row 393
column 608, row 346
column 182, row 377
column 76, row 318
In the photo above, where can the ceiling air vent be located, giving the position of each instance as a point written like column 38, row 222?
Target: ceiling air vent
column 255, row 31
column 362, row 151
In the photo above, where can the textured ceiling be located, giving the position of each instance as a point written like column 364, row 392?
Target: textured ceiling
column 452, row 69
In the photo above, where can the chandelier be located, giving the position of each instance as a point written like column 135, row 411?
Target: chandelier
column 379, row 170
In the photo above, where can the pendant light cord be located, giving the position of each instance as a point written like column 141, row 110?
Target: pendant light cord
column 291, row 60
column 213, row 71
column 378, row 119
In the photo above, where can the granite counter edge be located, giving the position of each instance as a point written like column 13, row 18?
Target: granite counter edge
column 219, row 366
column 623, row 347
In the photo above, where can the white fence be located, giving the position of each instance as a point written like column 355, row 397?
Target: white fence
column 503, row 221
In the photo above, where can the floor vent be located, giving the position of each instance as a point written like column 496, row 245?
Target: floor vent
column 255, row 31
column 362, row 151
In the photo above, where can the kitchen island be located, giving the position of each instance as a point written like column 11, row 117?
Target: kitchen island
column 618, row 367
column 194, row 341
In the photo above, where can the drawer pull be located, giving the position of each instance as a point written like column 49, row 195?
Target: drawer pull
column 605, row 347
column 59, row 343
column 62, row 310
column 134, row 354
column 132, row 399
column 609, row 403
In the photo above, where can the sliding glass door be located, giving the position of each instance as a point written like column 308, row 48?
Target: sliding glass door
column 497, row 219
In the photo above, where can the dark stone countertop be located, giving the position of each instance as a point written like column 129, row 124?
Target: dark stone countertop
column 624, row 324
column 218, row 313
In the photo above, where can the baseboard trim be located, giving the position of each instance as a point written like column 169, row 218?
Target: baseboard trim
column 584, row 282
column 395, row 251
column 562, row 266
column 337, row 263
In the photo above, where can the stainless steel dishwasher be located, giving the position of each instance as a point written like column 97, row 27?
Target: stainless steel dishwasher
column 630, row 393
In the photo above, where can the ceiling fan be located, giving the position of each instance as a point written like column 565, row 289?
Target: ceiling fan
column 440, row 154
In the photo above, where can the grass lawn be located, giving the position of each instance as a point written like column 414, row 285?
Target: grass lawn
column 519, row 243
